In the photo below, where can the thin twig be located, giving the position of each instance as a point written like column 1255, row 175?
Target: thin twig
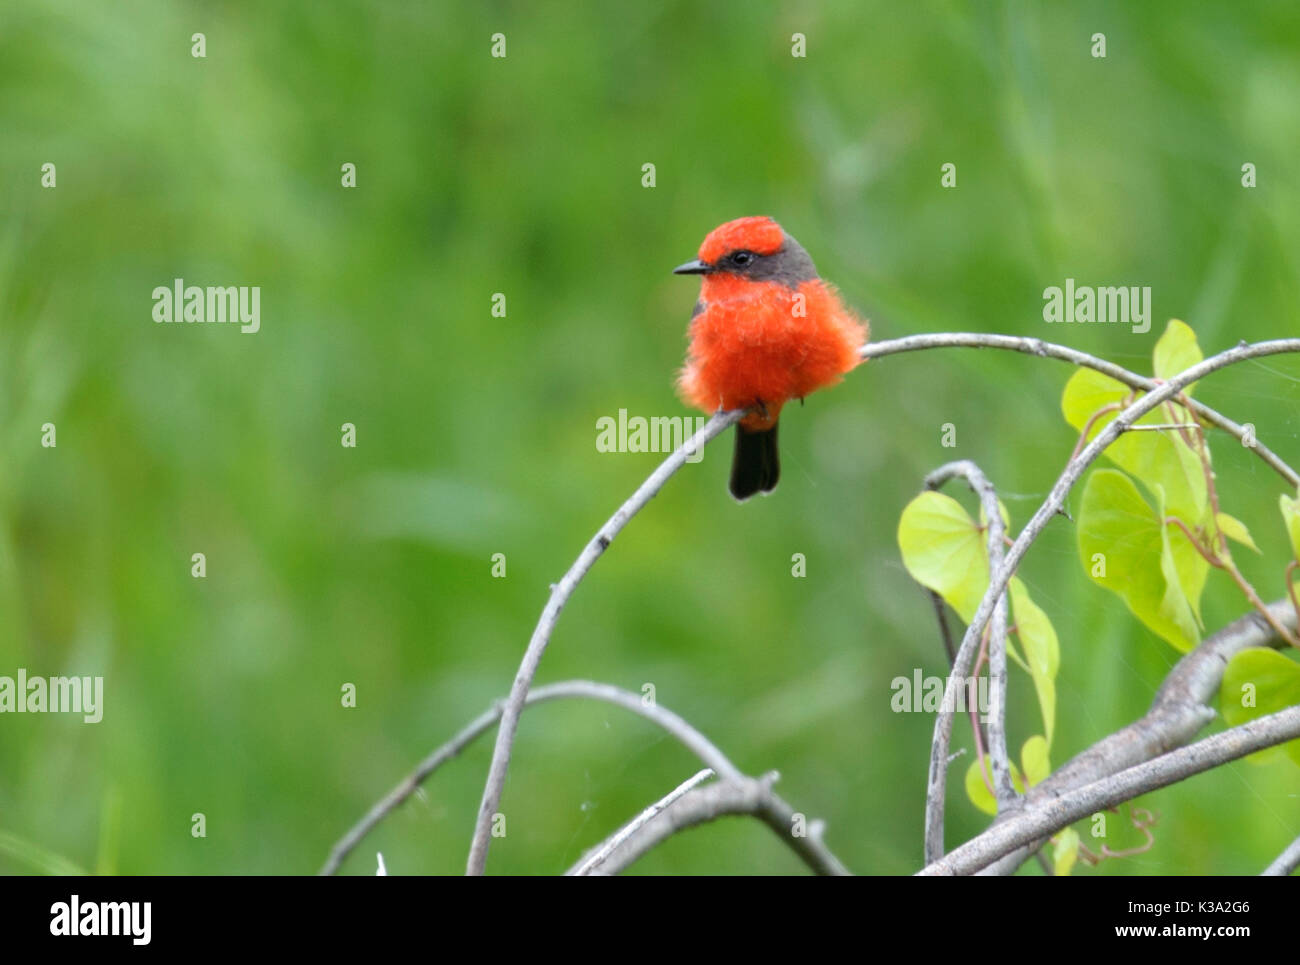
column 1035, row 346
column 1050, row 816
column 774, row 811
column 973, row 712
column 747, row 796
column 1196, row 543
column 1224, row 554
column 1141, row 823
column 1249, row 591
column 941, row 615
column 693, row 740
column 550, row 616
column 1286, row 862
column 1092, row 421
column 601, row 853
column 1003, row 789
column 1290, row 587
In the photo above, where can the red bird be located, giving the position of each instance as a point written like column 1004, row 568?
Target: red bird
column 766, row 330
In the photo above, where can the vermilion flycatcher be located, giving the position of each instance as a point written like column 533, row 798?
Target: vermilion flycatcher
column 766, row 330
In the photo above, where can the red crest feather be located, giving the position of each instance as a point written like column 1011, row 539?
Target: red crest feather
column 761, row 235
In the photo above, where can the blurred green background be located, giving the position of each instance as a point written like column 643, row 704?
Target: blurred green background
column 476, row 435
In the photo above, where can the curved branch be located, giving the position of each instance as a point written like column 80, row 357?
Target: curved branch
column 1004, row 791
column 560, row 594
column 703, row 804
column 1075, row 467
column 691, row 738
column 774, row 811
column 1035, row 346
column 1286, row 862
column 592, row 861
column 1036, row 822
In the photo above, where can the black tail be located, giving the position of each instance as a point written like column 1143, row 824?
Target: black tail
column 756, row 465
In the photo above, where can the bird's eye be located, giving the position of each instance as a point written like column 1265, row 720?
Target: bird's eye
column 742, row 258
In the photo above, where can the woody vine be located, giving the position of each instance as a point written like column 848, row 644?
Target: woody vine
column 1151, row 528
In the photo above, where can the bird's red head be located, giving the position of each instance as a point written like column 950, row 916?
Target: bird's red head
column 748, row 250
column 759, row 234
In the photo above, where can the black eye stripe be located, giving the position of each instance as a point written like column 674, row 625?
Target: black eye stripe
column 788, row 265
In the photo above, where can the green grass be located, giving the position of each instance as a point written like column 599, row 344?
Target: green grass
column 476, row 435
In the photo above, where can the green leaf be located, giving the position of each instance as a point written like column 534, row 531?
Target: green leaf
column 1259, row 681
column 977, row 787
column 1156, row 457
column 1137, row 560
column 1176, row 351
column 1235, row 530
column 978, row 791
column 1042, row 650
column 1162, row 459
column 1086, row 392
column 1065, row 852
column 1190, row 566
column 945, row 550
column 1184, row 569
column 1034, row 759
column 1014, row 655
column 1291, row 516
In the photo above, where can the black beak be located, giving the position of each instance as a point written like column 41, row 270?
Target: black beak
column 695, row 267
